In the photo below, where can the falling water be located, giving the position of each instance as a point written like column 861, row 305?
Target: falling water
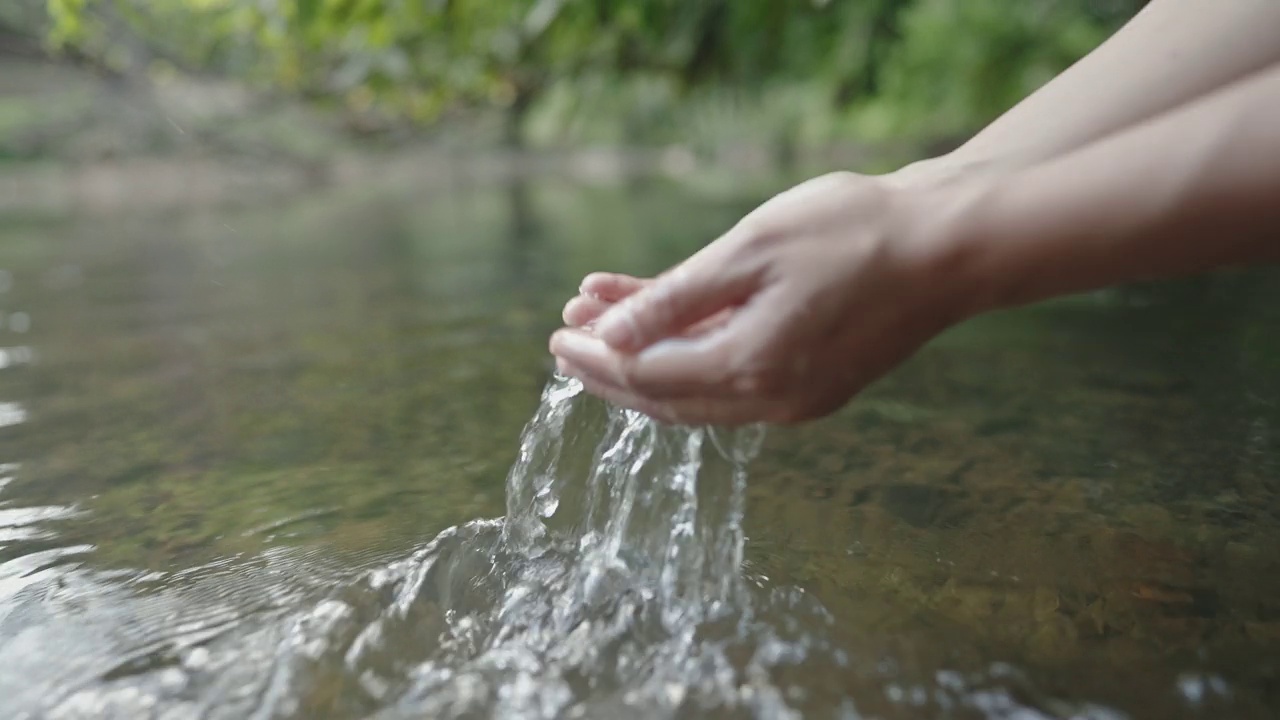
column 613, row 587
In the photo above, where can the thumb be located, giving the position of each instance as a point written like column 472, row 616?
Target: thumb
column 689, row 293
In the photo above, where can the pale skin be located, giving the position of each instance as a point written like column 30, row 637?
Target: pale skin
column 1158, row 155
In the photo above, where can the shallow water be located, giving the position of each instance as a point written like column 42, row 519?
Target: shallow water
column 231, row 442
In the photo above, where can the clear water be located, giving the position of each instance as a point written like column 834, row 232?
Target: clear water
column 269, row 462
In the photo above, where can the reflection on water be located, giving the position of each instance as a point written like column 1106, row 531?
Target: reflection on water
column 11, row 413
column 237, row 438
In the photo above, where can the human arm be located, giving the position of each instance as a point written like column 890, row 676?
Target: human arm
column 1170, row 52
column 828, row 286
column 1194, row 189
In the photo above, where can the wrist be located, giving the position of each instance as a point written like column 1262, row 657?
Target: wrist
column 964, row 161
column 925, row 173
column 942, row 226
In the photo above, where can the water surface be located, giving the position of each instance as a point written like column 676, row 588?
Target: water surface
column 228, row 437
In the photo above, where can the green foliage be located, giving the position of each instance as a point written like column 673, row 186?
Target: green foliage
column 961, row 63
column 921, row 66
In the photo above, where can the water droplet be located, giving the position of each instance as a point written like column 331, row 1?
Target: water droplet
column 1197, row 689
column 546, row 502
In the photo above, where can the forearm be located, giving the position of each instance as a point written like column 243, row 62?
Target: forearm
column 1195, row 189
column 1171, row 52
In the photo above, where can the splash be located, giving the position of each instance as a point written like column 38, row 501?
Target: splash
column 612, row 588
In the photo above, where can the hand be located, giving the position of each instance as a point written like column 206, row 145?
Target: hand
column 810, row 297
column 600, row 291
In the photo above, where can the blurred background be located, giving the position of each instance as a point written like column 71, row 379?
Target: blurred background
column 297, row 85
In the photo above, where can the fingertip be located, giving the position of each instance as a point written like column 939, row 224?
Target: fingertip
column 609, row 287
column 581, row 310
column 556, row 342
column 594, row 283
column 575, row 345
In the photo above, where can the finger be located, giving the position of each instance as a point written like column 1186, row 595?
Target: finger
column 700, row 287
column 712, row 364
column 583, row 310
column 750, row 355
column 727, row 412
column 592, row 355
column 611, row 287
column 712, row 323
column 584, row 350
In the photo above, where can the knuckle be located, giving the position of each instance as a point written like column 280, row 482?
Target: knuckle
column 655, row 305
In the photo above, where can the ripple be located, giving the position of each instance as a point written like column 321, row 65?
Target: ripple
column 12, row 413
column 21, row 523
column 14, row 356
column 614, row 587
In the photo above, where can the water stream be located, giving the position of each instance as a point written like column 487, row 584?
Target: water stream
column 613, row 588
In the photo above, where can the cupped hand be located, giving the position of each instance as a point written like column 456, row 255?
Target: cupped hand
column 809, row 298
column 599, row 292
